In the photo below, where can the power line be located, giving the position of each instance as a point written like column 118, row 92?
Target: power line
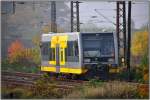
column 136, row 2
column 105, row 17
column 107, row 9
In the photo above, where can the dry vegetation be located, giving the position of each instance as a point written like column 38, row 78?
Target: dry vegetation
column 93, row 90
column 111, row 90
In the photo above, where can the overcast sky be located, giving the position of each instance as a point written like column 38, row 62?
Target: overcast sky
column 140, row 13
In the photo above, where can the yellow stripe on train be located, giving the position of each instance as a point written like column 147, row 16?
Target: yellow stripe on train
column 49, row 69
column 64, row 70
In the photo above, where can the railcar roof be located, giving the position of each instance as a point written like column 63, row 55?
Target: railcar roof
column 51, row 33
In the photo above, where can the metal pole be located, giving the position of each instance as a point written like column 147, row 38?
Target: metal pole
column 71, row 16
column 33, row 5
column 75, row 24
column 129, row 39
column 117, row 30
column 78, row 24
column 53, row 17
column 121, row 31
column 14, row 5
column 124, row 29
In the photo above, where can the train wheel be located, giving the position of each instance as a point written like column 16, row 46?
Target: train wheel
column 52, row 76
column 82, row 77
column 68, row 76
column 62, row 76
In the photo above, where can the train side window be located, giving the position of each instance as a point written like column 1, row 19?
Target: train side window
column 48, row 53
column 76, row 48
column 51, row 54
column 44, row 50
column 72, row 51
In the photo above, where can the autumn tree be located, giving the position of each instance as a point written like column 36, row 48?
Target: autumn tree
column 36, row 50
column 33, row 55
column 15, row 51
column 140, row 43
column 140, row 48
column 18, row 54
column 36, row 40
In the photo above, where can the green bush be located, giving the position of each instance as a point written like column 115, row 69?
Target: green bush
column 18, row 67
column 135, row 74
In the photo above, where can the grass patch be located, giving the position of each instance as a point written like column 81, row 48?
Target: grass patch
column 15, row 93
column 95, row 82
column 19, row 67
column 110, row 90
column 44, row 89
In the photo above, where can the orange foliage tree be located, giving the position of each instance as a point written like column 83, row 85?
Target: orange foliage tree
column 15, row 51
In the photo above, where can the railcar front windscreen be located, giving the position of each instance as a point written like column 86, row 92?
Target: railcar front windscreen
column 98, row 45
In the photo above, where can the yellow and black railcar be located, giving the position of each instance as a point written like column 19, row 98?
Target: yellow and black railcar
column 78, row 53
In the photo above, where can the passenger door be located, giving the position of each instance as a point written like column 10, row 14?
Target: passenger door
column 58, row 46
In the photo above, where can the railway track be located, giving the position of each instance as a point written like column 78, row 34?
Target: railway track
column 18, row 78
column 29, row 79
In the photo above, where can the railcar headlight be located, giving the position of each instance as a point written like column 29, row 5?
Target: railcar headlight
column 110, row 60
column 122, row 60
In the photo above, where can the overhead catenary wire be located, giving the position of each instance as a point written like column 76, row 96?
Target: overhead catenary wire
column 104, row 17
